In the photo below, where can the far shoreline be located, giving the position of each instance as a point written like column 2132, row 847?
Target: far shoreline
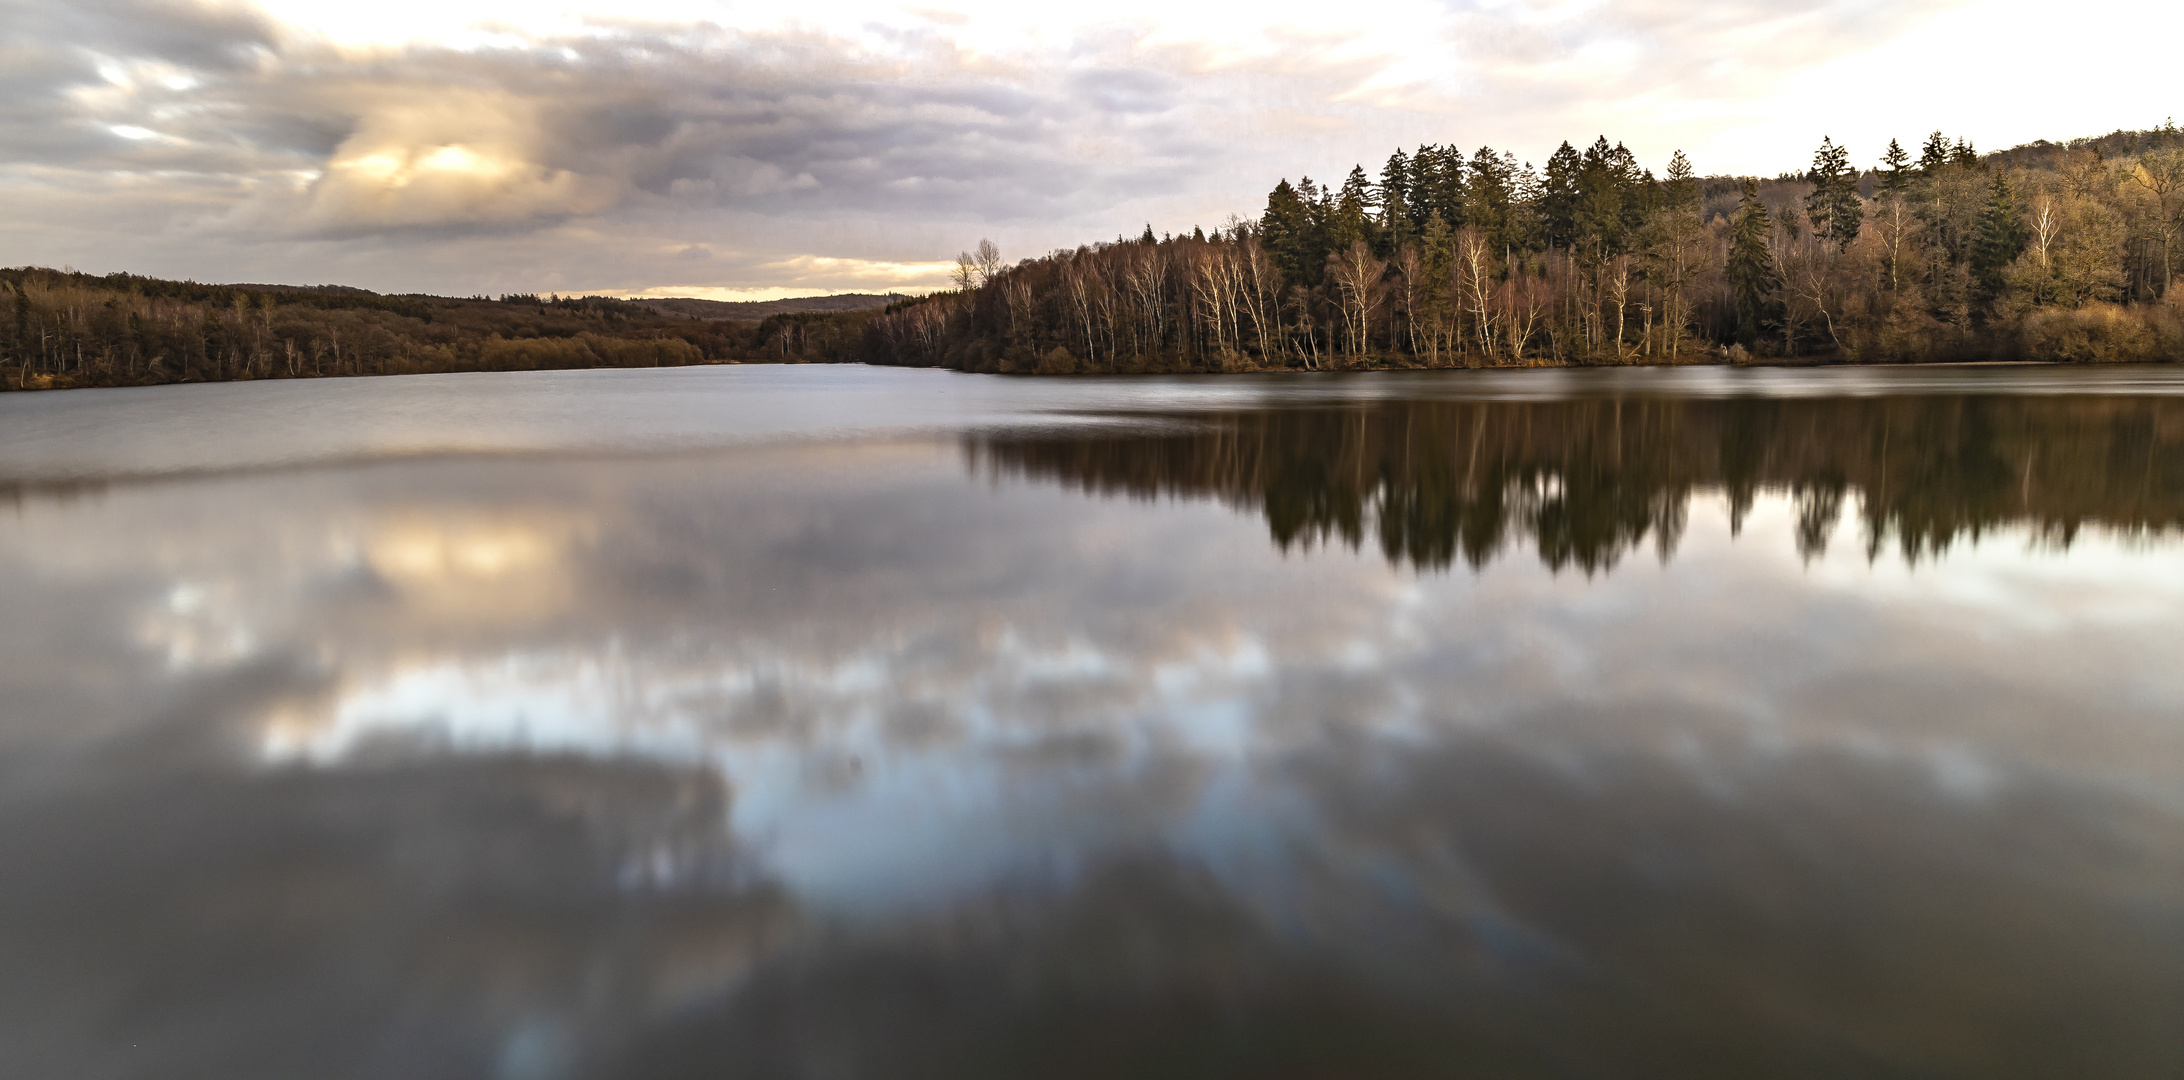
column 1768, row 364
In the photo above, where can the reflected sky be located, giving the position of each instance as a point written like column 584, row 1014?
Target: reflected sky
column 799, row 722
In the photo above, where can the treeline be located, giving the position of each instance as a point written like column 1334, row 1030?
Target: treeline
column 65, row 329
column 2045, row 252
column 1585, row 483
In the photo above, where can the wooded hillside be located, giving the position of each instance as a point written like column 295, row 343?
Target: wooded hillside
column 62, row 329
column 2045, row 252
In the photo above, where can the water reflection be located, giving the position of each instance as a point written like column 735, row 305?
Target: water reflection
column 826, row 759
column 1587, row 481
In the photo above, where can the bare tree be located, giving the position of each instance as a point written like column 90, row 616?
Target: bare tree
column 1409, row 270
column 1475, row 275
column 1357, row 273
column 2161, row 174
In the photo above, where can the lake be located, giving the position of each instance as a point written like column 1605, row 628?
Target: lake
column 847, row 722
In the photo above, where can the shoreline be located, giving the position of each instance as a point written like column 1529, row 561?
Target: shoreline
column 10, row 389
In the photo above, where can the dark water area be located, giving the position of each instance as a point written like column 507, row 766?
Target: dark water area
column 838, row 722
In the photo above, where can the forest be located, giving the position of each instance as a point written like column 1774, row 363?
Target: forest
column 64, row 329
column 2048, row 252
column 1588, row 482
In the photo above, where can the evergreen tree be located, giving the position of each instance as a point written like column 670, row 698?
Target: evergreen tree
column 1293, row 230
column 1636, row 190
column 1933, row 155
column 1525, row 229
column 1559, row 195
column 1394, row 198
column 1436, row 252
column 1452, row 194
column 1148, row 238
column 1351, row 220
column 1488, row 191
column 1599, row 219
column 1833, row 205
column 1682, row 191
column 2002, row 237
column 1753, row 279
column 1425, row 186
column 1899, row 171
column 1435, row 245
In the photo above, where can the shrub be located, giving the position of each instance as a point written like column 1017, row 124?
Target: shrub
column 2093, row 334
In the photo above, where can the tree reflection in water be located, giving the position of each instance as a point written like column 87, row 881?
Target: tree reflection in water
column 601, row 750
column 1589, row 481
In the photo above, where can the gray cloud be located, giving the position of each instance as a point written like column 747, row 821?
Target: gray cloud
column 848, row 148
column 593, row 747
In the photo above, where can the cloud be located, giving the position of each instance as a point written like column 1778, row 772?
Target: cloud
column 461, row 748
column 458, row 159
column 468, row 146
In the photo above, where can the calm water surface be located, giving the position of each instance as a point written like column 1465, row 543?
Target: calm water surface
column 840, row 722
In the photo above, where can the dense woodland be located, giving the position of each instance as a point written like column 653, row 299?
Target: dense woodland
column 62, row 329
column 2050, row 251
column 1587, row 482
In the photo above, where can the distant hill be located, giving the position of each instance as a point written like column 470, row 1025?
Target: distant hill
column 754, row 310
column 66, row 329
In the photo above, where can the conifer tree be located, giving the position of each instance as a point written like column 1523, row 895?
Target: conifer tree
column 1899, row 171
column 2002, row 237
column 1933, row 155
column 1394, row 197
column 1284, row 215
column 1487, row 195
column 1559, row 194
column 1753, row 279
column 1833, row 205
column 1425, row 187
column 1599, row 220
column 1683, row 184
column 1351, row 220
column 1437, row 252
column 1452, row 189
column 1636, row 187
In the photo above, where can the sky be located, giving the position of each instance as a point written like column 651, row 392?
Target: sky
column 751, row 151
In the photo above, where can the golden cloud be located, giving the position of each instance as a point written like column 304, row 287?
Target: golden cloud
column 460, row 158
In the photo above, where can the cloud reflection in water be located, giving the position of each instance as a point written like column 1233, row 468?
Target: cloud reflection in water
column 829, row 760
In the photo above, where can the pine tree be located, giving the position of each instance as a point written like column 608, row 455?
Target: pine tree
column 1899, row 171
column 1436, row 251
column 1599, row 224
column 1933, row 155
column 1637, row 188
column 2002, row 237
column 1394, row 197
column 1148, row 238
column 1683, row 184
column 1352, row 220
column 1424, row 184
column 1833, row 205
column 1753, row 279
column 1487, row 195
column 1451, row 192
column 1435, row 244
column 1559, row 195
